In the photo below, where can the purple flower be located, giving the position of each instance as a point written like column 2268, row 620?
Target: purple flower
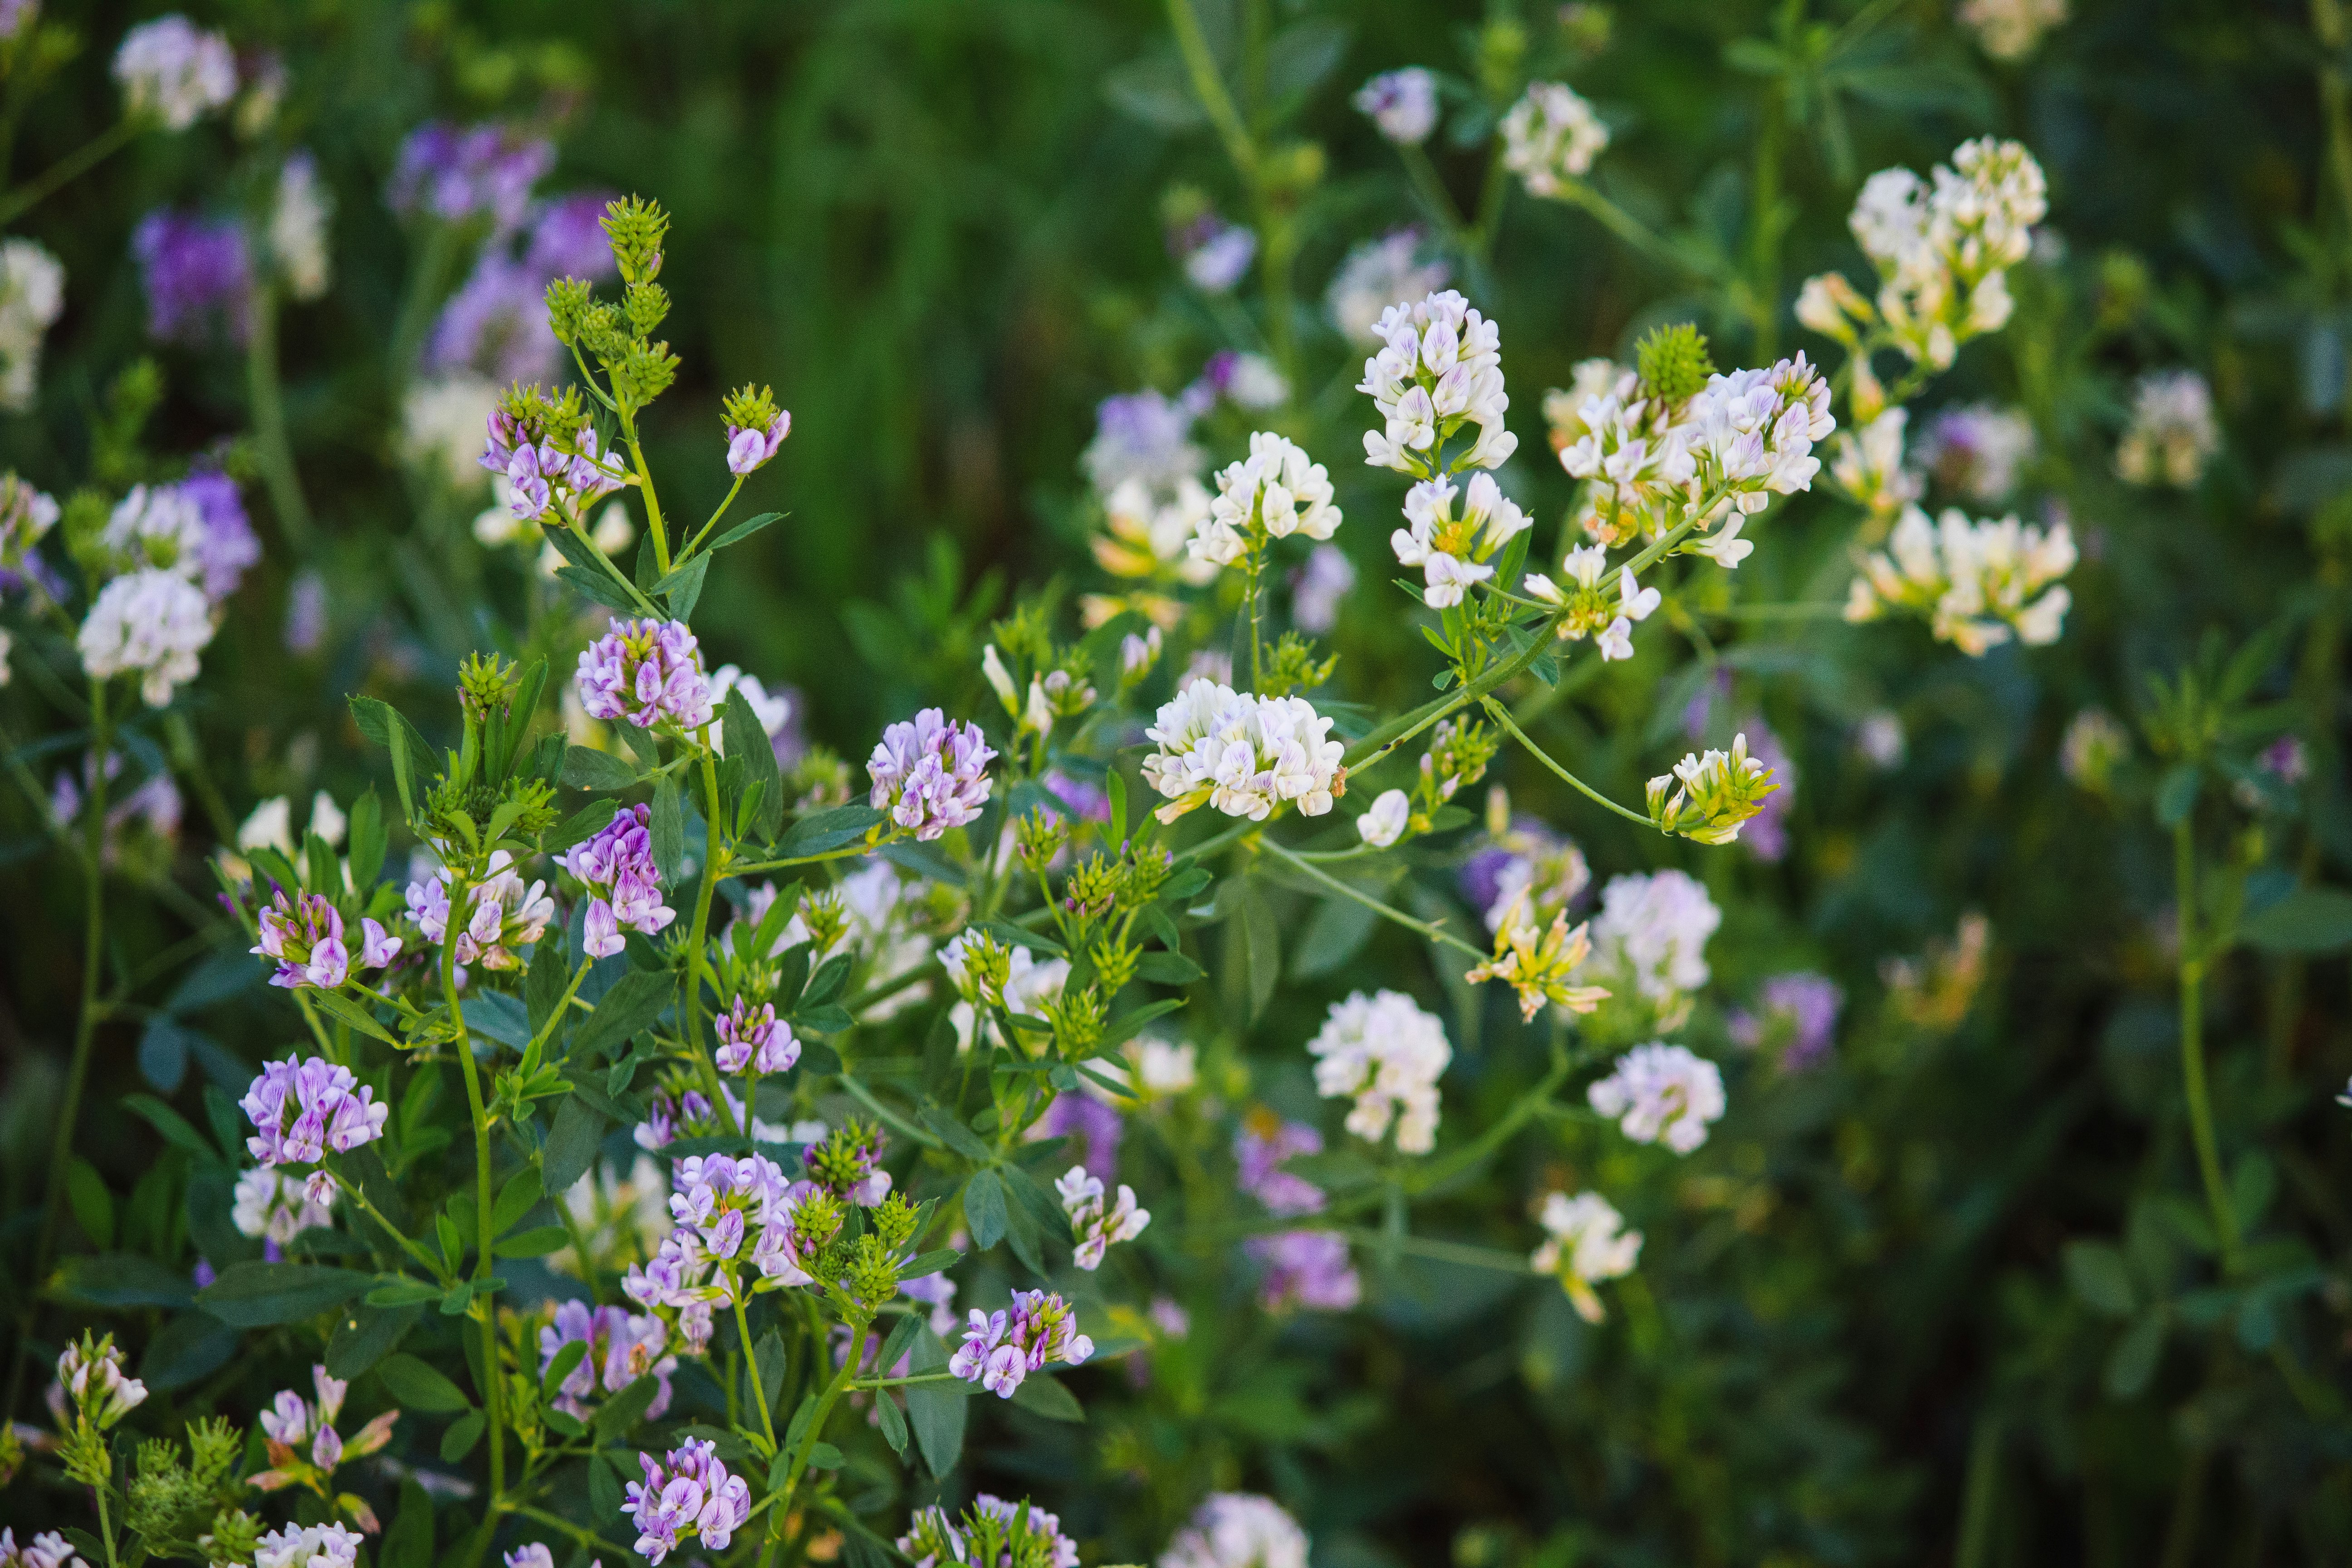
column 1215, row 253
column 1085, row 801
column 495, row 325
column 648, row 671
column 999, row 1349
column 568, row 239
column 933, row 1540
column 622, row 1348
column 930, row 774
column 1305, row 1269
column 1142, row 435
column 1800, row 1009
column 750, row 450
column 454, row 174
column 1094, row 1125
column 616, row 864
column 1767, row 833
column 195, row 270
column 2285, row 760
column 301, row 1109
column 1316, row 588
column 227, row 545
column 691, row 1495
column 754, row 1039
column 155, row 805
column 306, row 613
column 306, row 938
column 1265, row 1140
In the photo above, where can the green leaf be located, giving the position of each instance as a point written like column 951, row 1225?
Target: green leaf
column 627, row 1408
column 173, row 1127
column 2131, row 1365
column 681, row 589
column 121, row 1279
column 542, row 987
column 1338, row 932
column 748, row 740
column 599, row 587
column 586, row 768
column 403, row 1293
column 821, row 832
column 516, row 1198
column 902, row 1337
column 409, row 1542
column 369, row 840
column 417, row 1386
column 414, row 763
column 744, row 530
column 185, row 1351
column 459, row 1440
column 1163, row 968
column 1046, row 1397
column 263, row 1295
column 955, row 1134
column 2252, row 1187
column 571, row 1144
column 823, row 1456
column 536, row 1243
column 894, row 1424
column 636, row 1000
column 2309, row 920
column 2176, row 796
column 2100, row 1278
column 364, row 1335
column 936, row 1410
column 567, row 1361
column 668, row 829
column 1261, row 947
column 983, row 1209
column 342, row 1006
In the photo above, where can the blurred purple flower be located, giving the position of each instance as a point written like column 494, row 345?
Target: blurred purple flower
column 228, row 546
column 1767, row 834
column 1803, row 1009
column 1096, row 1126
column 306, row 613
column 1305, row 1269
column 459, row 172
column 196, row 272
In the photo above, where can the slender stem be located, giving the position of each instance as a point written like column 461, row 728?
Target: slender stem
column 732, row 490
column 547, row 1030
column 493, row 1399
column 579, row 531
column 841, row 1380
column 752, row 1360
column 866, row 1096
column 2193, row 1044
column 1481, row 242
column 752, row 868
column 1982, row 1489
column 1621, row 224
column 1432, row 190
column 1425, row 1247
column 1502, row 716
column 414, row 1248
column 906, row 1382
column 1256, row 604
column 555, row 1521
column 653, row 502
column 262, row 388
column 79, row 161
column 1430, row 1176
column 2327, row 24
column 713, row 868
column 105, row 1526
column 1209, row 88
column 1429, row 928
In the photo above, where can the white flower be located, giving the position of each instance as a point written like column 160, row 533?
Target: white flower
column 1094, row 1224
column 162, row 526
column 1276, row 492
column 774, row 711
column 1631, row 447
column 174, row 71
column 1029, row 988
column 268, row 1203
column 1452, row 551
column 1162, row 1068
column 1237, row 1530
column 297, row 228
column 1662, row 1093
column 1879, row 736
column 32, row 293
column 1976, row 582
column 441, row 425
column 271, row 826
column 1585, row 1241
column 1650, row 938
column 1385, row 823
column 1550, row 138
column 1147, row 533
column 327, row 819
column 1388, row 1053
column 7, row 646
column 1753, row 432
column 1245, row 755
column 1253, row 381
column 1867, row 465
column 2010, row 29
column 1402, row 103
column 1217, row 263
column 2172, row 432
column 1376, row 275
column 151, row 622
column 1977, row 449
column 49, row 1549
column 309, row 1546
column 1440, row 368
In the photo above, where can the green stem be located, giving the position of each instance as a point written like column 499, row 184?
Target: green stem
column 906, row 1382
column 713, row 868
column 80, row 161
column 409, row 1245
column 105, row 1526
column 1975, row 1547
column 1502, row 716
column 547, row 1030
column 1209, row 88
column 1423, row 174
column 1435, row 1175
column 841, row 1380
column 493, row 1399
column 752, row 868
column 579, row 532
column 556, row 1522
column 752, row 1360
column 653, row 502
column 418, row 301
column 732, row 490
column 1424, row 1246
column 2193, row 1044
column 2327, row 24
column 1622, row 224
column 1256, row 604
column 262, row 388
column 1429, row 928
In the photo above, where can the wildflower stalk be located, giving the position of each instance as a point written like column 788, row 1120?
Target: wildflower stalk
column 1429, row 928
column 751, row 1360
column 264, row 392
column 426, row 286
column 2192, row 1043
column 714, row 867
column 1503, row 717
column 825, row 1404
column 1277, row 245
column 68, row 169
column 2328, row 27
column 492, row 1399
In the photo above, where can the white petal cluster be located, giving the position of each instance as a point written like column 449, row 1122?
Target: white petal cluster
column 1550, row 138
column 1587, row 609
column 1630, row 447
column 441, row 426
column 152, row 623
column 1585, row 1241
column 1977, row 449
column 309, row 1546
column 32, row 293
column 157, row 526
column 1237, row 1530
column 1867, row 465
column 1440, row 368
column 2172, row 432
column 1385, row 823
column 1276, row 492
column 2095, row 741
column 2010, row 29
column 1752, row 434
column 1977, row 583
column 170, row 68
column 1661, row 1094
column 1243, row 754
column 1376, row 275
column 1452, row 550
column 1387, row 1052
column 268, row 1203
column 1402, row 103
column 297, row 228
column 1094, row 1221
column 1650, row 940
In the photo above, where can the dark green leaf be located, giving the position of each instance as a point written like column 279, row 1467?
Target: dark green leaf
column 936, row 1410
column 2309, row 920
column 821, row 832
column 2100, row 1279
column 668, row 829
column 122, row 1279
column 627, row 1408
column 744, row 530
column 585, row 768
column 536, row 1243
column 405, row 1293
column 369, row 838
column 983, row 1209
column 567, row 1360
column 462, row 1434
column 749, row 743
column 2131, row 1365
column 516, row 1198
column 1046, row 1396
column 1261, row 947
column 1168, row 969
column 571, row 1144
column 681, row 589
column 364, row 1335
column 262, row 1295
column 419, row 1387
column 2176, row 796
column 955, row 1134
column 636, row 1000
column 164, row 1052
column 409, row 1542
column 599, row 587
column 172, row 1125
column 187, row 1350
column 1338, row 932
column 894, row 1424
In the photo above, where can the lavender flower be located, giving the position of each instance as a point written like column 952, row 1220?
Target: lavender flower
column 1141, row 436
column 930, row 774
column 1767, row 833
column 502, row 914
column 616, row 864
column 309, row 1546
column 648, row 672
column 1402, row 103
column 292, row 1423
column 302, row 1109
column 196, row 274
column 690, row 1494
column 993, row 1533
column 495, row 325
column 306, row 613
column 454, row 174
column 1316, row 588
column 49, row 1549
column 754, row 1040
column 1799, row 1012
column 1096, row 1226
column 269, row 1204
column 90, row 1373
column 622, row 1348
column 171, row 70
column 1305, row 1269
column 567, row 238
column 306, row 938
column 748, row 450
column 1661, row 1094
column 226, row 545
column 999, row 1349
column 1097, row 1126
column 1213, row 253
column 1237, row 1530
column 1264, row 1143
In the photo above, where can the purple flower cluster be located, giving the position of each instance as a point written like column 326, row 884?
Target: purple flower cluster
column 1306, row 1268
column 930, row 774
column 666, row 1119
column 690, row 1494
column 737, row 1231
column 567, row 240
column 935, row 1540
column 622, row 1348
column 754, row 1039
column 750, row 450
column 616, row 864
column 1767, row 833
column 649, row 672
column 504, row 914
column 196, row 272
column 1096, row 1126
column 457, row 173
column 306, row 938
column 999, row 1349
column 1799, row 1010
column 302, row 1109
column 226, row 546
column 537, row 472
column 1265, row 1140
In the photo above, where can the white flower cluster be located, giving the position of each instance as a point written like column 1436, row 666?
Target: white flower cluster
column 32, row 293
column 1977, row 449
column 170, row 68
column 1243, row 754
column 1453, row 552
column 153, row 624
column 1276, row 492
column 1977, row 583
column 2172, row 432
column 1868, row 465
column 1661, row 1094
column 1650, row 940
column 1584, row 1242
column 297, row 229
column 1942, row 248
column 1377, row 274
column 2094, row 743
column 1440, row 368
column 309, row 1546
column 441, row 423
column 1237, row 1530
column 2010, row 29
column 1589, row 610
column 1402, row 103
column 1094, row 1223
column 1550, row 138
column 1387, row 1052
column 270, row 1204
